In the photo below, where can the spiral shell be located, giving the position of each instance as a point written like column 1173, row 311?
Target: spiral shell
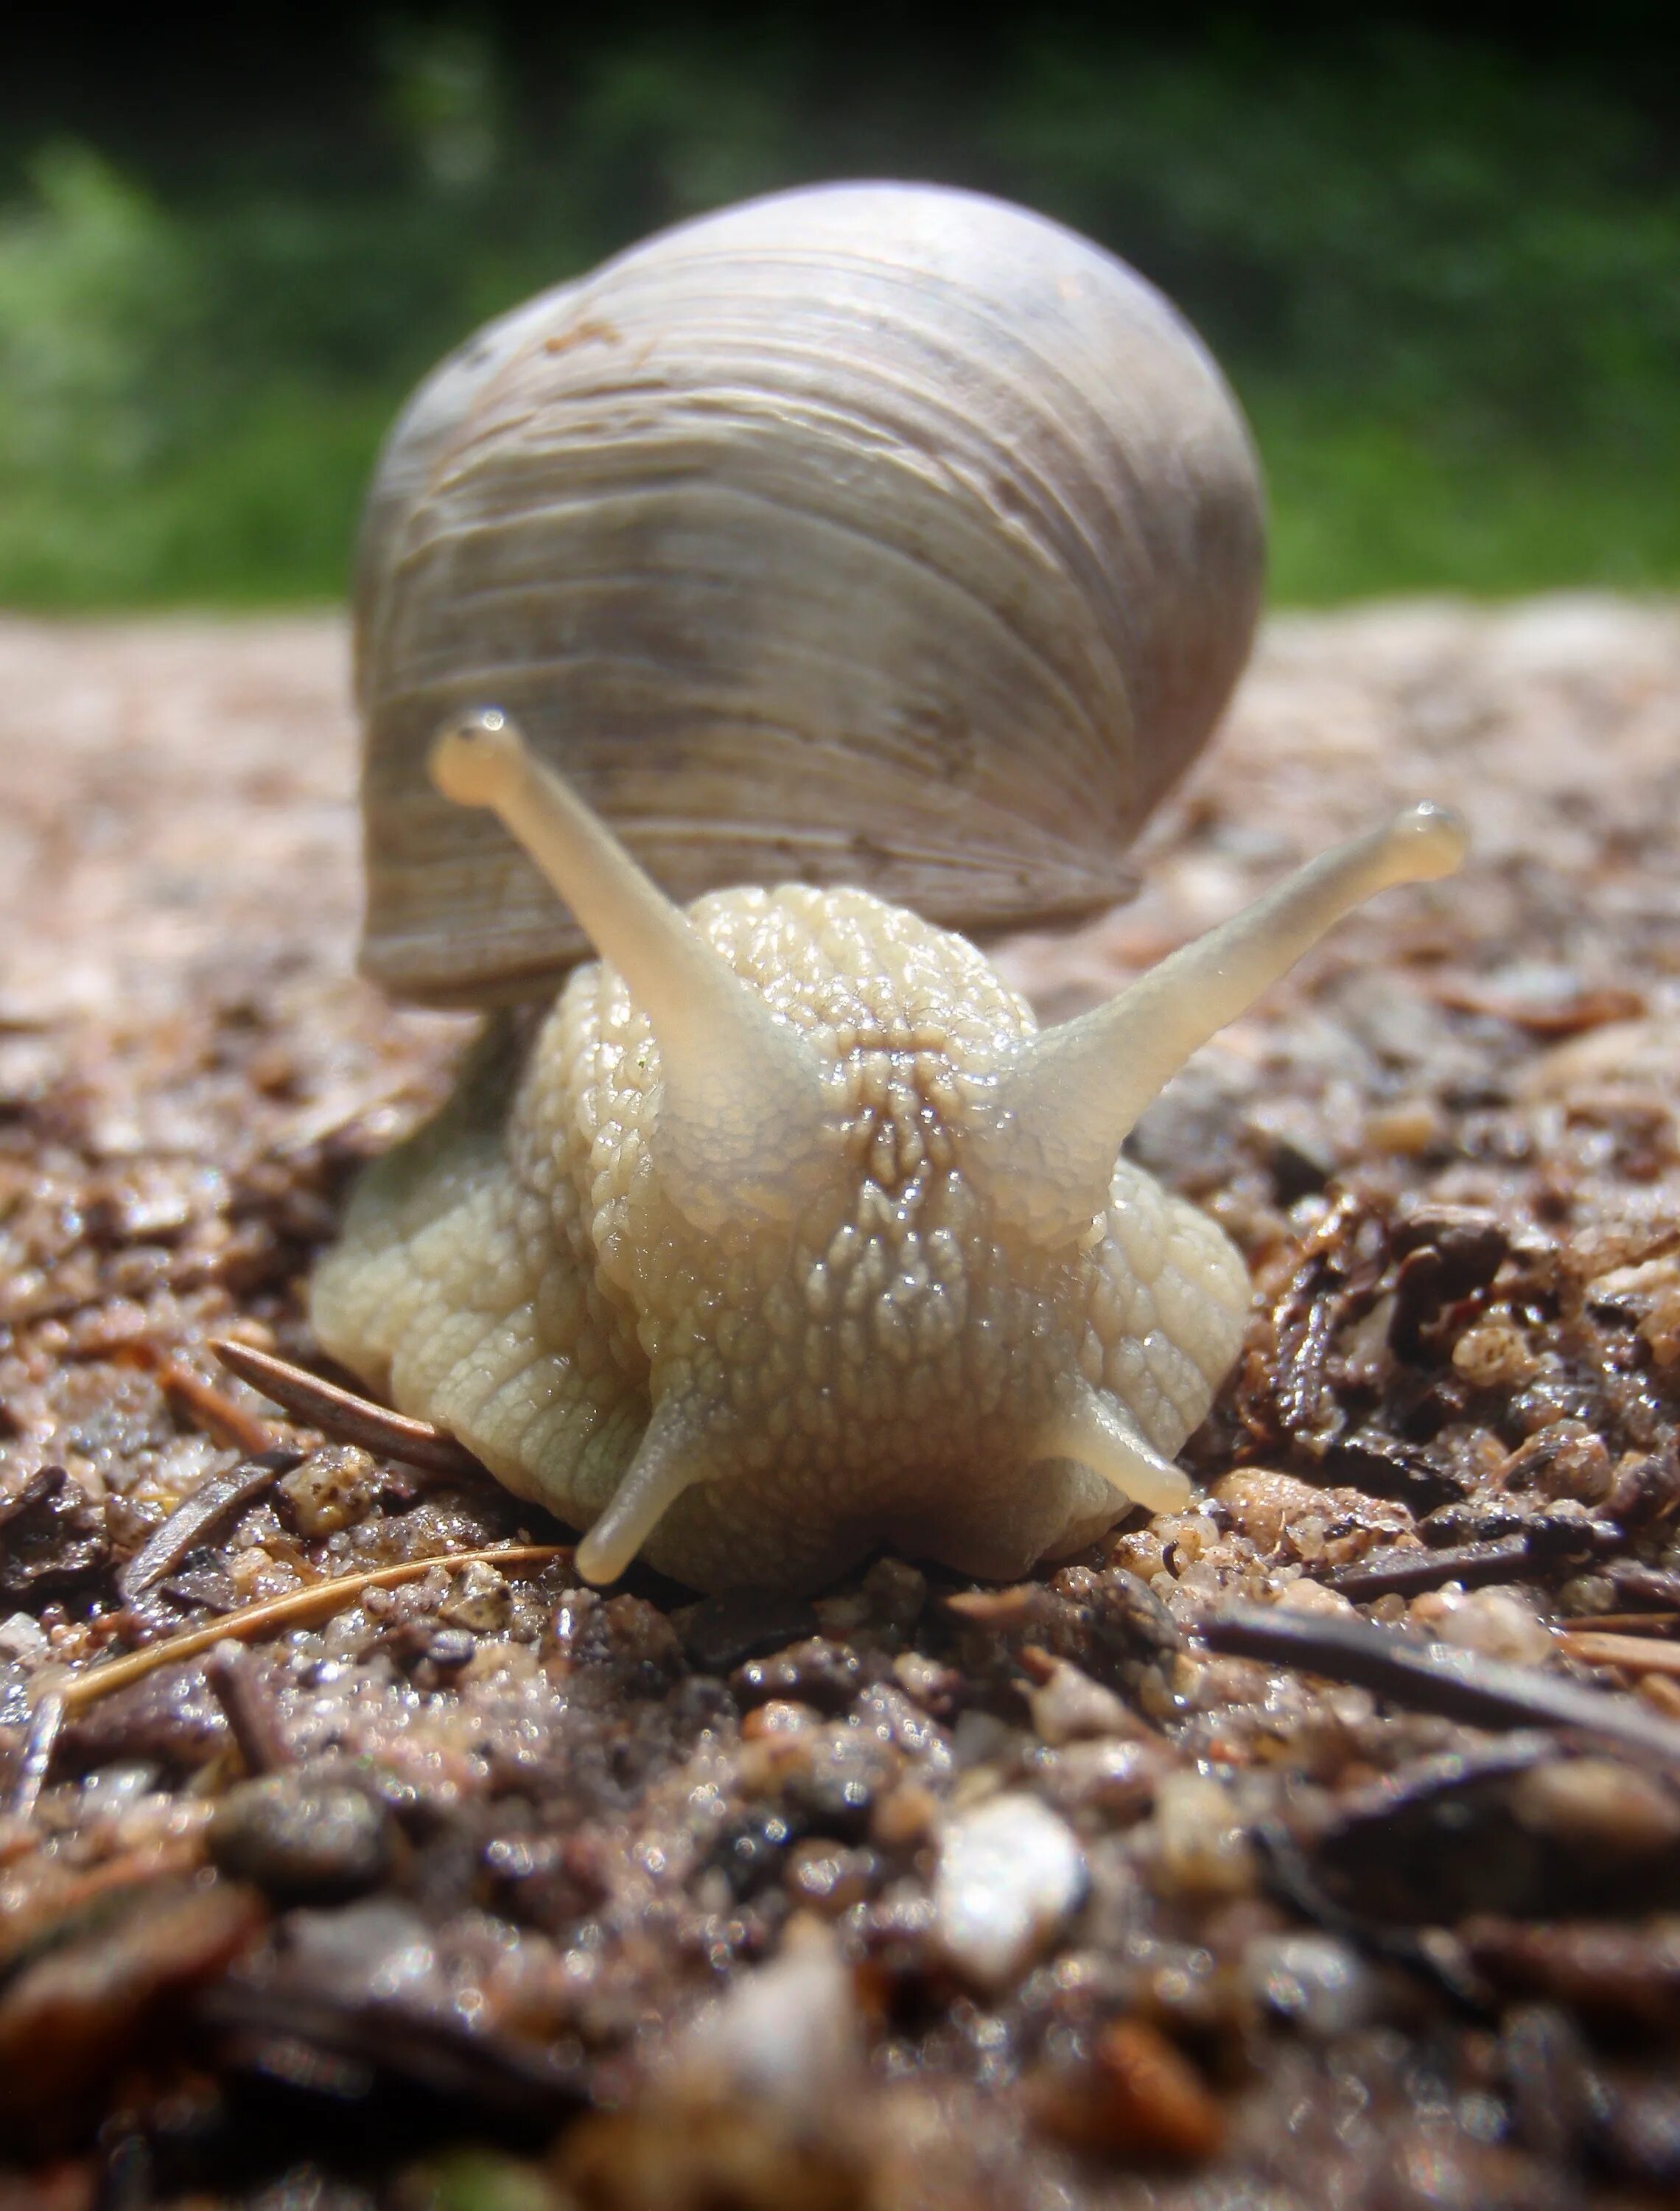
column 872, row 534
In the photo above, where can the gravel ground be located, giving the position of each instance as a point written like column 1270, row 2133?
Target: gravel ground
column 1320, row 1845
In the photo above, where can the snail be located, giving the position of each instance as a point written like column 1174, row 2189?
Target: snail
column 898, row 548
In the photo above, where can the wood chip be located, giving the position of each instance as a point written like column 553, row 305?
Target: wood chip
column 192, row 1521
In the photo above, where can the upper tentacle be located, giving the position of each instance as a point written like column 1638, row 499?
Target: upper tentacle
column 742, row 1127
column 1046, row 1157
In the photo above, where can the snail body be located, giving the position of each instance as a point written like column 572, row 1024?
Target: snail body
column 787, row 1232
column 849, row 1361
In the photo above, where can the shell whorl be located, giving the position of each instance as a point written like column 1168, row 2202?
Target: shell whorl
column 872, row 534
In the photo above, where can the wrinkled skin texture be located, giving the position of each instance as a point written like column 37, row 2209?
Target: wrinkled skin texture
column 883, row 1367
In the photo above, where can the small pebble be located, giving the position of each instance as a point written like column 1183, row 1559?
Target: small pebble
column 1315, row 1600
column 302, row 1837
column 22, row 1637
column 380, row 1943
column 1566, row 1460
column 981, row 1739
column 1261, row 1505
column 1202, row 1849
column 840, row 1617
column 1497, row 1622
column 1068, row 1706
column 110, row 1791
column 1112, row 1778
column 829, row 1878
column 904, row 1818
column 1011, row 1873
column 897, row 1592
column 1410, row 1127
column 1138, row 2098
column 938, row 1689
column 781, row 1717
column 1585, row 1595
column 334, row 1488
column 788, row 2036
column 836, row 1777
column 1598, row 1804
column 818, row 1671
column 1494, row 1355
column 451, row 1648
column 479, row 1599
column 1318, row 1981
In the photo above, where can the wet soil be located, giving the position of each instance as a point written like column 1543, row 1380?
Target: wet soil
column 1317, row 1846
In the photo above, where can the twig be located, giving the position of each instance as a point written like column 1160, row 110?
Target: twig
column 253, row 1719
column 39, row 1741
column 1409, row 1572
column 191, row 1521
column 342, row 1413
column 1495, row 1553
column 1631, row 1651
column 1643, row 1585
column 1433, row 1677
column 320, row 1599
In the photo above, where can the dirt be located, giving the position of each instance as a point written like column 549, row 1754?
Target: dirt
column 471, row 1888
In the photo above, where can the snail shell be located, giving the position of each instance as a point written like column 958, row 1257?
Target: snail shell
column 876, row 535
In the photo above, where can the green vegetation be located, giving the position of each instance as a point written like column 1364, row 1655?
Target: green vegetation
column 1446, row 283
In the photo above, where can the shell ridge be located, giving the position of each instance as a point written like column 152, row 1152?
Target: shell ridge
column 924, row 474
column 1030, row 650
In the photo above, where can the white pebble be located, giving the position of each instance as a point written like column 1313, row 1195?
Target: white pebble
column 1322, row 1983
column 1599, row 1806
column 1203, row 1849
column 1496, row 1622
column 789, row 2034
column 480, row 1600
column 1011, row 1873
column 335, row 1487
column 1070, row 1707
column 22, row 1637
column 1314, row 1601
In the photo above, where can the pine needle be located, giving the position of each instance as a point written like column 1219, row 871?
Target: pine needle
column 1630, row 1652
column 341, row 1412
column 318, row 1601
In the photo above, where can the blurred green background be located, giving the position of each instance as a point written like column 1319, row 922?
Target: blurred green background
column 1439, row 256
